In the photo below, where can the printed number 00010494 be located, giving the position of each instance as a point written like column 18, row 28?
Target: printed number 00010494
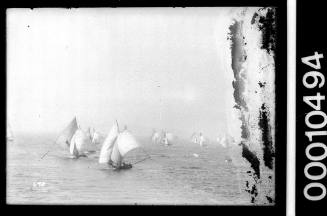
column 317, row 126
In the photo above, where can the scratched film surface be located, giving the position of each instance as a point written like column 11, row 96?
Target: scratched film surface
column 194, row 86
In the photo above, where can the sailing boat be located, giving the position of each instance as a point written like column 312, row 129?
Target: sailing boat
column 168, row 138
column 95, row 137
column 108, row 144
column 116, row 145
column 201, row 140
column 89, row 132
column 10, row 136
column 165, row 139
column 195, row 138
column 66, row 135
column 80, row 144
column 198, row 138
column 155, row 137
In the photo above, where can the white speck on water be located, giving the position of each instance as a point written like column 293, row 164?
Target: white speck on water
column 195, row 155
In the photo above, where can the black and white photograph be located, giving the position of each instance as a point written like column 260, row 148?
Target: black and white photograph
column 141, row 106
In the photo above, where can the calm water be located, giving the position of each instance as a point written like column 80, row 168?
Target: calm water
column 173, row 175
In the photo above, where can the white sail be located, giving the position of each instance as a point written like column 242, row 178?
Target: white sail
column 67, row 134
column 72, row 148
column 89, row 133
column 95, row 137
column 156, row 137
column 195, row 138
column 82, row 141
column 115, row 156
column 201, row 140
column 165, row 140
column 126, row 142
column 108, row 144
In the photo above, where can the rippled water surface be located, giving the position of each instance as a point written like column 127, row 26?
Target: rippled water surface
column 173, row 175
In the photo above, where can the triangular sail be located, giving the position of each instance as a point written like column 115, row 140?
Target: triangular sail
column 67, row 134
column 155, row 137
column 82, row 141
column 126, row 142
column 165, row 140
column 168, row 138
column 92, row 133
column 95, row 137
column 115, row 156
column 201, row 140
column 72, row 148
column 195, row 138
column 108, row 144
column 89, row 133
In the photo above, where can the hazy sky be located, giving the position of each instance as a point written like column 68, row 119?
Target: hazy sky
column 127, row 64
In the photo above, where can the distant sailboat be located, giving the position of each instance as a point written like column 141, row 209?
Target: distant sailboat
column 10, row 136
column 80, row 144
column 165, row 139
column 201, row 140
column 66, row 135
column 116, row 146
column 95, row 137
column 195, row 138
column 89, row 132
column 198, row 138
column 168, row 138
column 156, row 137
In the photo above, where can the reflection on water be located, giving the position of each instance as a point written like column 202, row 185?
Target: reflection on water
column 171, row 176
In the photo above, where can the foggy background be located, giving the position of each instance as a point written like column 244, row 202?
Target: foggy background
column 149, row 68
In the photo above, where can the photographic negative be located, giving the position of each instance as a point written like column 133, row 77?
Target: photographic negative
column 147, row 106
